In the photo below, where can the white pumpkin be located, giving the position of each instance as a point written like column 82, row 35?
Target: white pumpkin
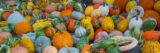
column 80, row 32
column 105, row 10
column 96, row 13
column 69, row 50
column 135, row 22
column 136, row 11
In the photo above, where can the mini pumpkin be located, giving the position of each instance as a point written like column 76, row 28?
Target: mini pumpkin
column 123, row 25
column 48, row 32
column 150, row 35
column 120, row 4
column 150, row 13
column 157, row 6
column 70, row 25
column 144, row 2
column 114, row 10
column 109, row 25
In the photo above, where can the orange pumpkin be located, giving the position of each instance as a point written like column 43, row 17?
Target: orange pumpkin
column 86, row 48
column 150, row 13
column 70, row 25
column 61, row 39
column 121, row 4
column 150, row 35
column 96, row 6
column 114, row 10
column 66, row 13
column 22, row 28
column 98, row 30
column 48, row 32
column 143, row 4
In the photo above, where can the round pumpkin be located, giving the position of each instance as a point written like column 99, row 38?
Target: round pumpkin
column 150, row 35
column 66, row 13
column 19, row 50
column 121, row 4
column 3, row 36
column 50, row 49
column 62, row 38
column 114, row 10
column 109, row 25
column 150, row 13
column 22, row 28
column 144, row 2
column 48, row 32
column 157, row 6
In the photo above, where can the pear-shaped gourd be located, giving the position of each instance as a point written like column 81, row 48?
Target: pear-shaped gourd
column 136, row 11
column 135, row 22
column 105, row 10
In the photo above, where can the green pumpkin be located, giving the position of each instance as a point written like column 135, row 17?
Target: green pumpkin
column 116, row 20
column 149, row 25
column 5, row 49
column 41, row 43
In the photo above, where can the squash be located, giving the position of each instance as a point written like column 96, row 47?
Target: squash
column 120, row 4
column 19, row 50
column 69, row 8
column 50, row 49
column 117, row 32
column 123, row 25
column 98, row 30
column 28, row 44
column 104, row 9
column 130, row 5
column 96, row 13
column 150, row 13
column 48, row 32
column 91, row 35
column 20, row 30
column 156, row 6
column 3, row 36
column 109, row 1
column 77, row 15
column 12, row 41
column 144, row 2
column 98, row 1
column 88, row 10
column 96, row 6
column 135, row 32
column 135, row 22
column 36, row 11
column 80, row 31
column 136, row 11
column 61, row 38
column 31, row 36
column 66, row 13
column 109, row 25
column 75, row 39
column 86, row 21
column 15, row 18
column 5, row 49
column 69, row 50
column 95, row 22
column 70, row 25
column 149, row 24
column 151, row 47
column 150, row 35
column 82, row 42
column 116, row 19
column 41, row 43
column 86, row 48
column 100, row 36
column 114, row 10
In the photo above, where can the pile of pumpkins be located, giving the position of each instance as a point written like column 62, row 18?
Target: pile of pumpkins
column 80, row 26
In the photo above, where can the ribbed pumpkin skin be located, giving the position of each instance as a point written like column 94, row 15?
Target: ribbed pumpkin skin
column 59, row 40
column 144, row 2
column 22, row 28
column 151, row 47
column 150, row 13
column 123, row 25
column 121, row 4
column 107, row 24
column 149, row 35
column 157, row 6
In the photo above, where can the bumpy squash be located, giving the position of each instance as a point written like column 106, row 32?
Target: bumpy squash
column 151, row 47
column 107, row 24
column 130, row 5
column 123, row 25
column 88, row 10
column 28, row 44
column 22, row 28
column 157, row 6
column 86, row 21
column 91, row 35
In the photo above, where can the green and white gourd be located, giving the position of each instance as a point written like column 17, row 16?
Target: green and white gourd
column 135, row 22
column 149, row 24
column 80, row 32
column 105, row 9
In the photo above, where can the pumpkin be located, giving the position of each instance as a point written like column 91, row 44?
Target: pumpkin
column 156, row 6
column 117, row 32
column 51, row 8
column 123, row 25
column 114, row 10
column 120, row 4
column 149, row 24
column 96, row 6
column 15, row 18
column 86, row 21
column 48, row 32
column 150, row 35
column 3, row 36
column 151, row 47
column 100, row 36
column 77, row 15
column 104, row 9
column 19, row 50
column 97, row 31
column 144, row 2
column 150, row 13
column 69, row 50
column 91, row 35
column 109, row 25
column 109, row 1
column 130, row 5
column 66, row 13
column 86, row 48
column 80, row 31
column 96, row 13
column 98, row 1
column 70, row 25
column 41, row 43
column 135, row 22
column 60, row 39
column 88, row 10
column 50, row 49
column 136, row 11
column 31, row 36
column 28, row 44
column 69, row 8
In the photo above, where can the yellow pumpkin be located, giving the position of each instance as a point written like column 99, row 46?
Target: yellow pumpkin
column 157, row 6
column 91, row 35
column 28, row 18
column 108, row 1
column 123, row 25
column 130, row 5
column 107, row 24
column 28, row 44
column 86, row 21
column 88, row 10
column 151, row 47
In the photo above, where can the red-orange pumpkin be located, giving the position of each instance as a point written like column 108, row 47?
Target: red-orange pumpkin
column 150, row 13
column 96, row 6
column 150, row 35
column 121, row 4
column 114, row 10
column 143, row 4
column 6, row 15
column 70, row 25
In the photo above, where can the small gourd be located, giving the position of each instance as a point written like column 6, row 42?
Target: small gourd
column 86, row 21
column 116, row 20
column 123, row 25
column 157, row 6
column 66, row 13
column 51, row 8
column 135, row 22
column 91, row 35
column 19, row 50
column 149, row 35
column 109, row 1
column 50, row 49
column 117, row 32
column 75, row 39
column 41, row 43
column 77, row 15
column 149, row 24
column 70, row 25
column 114, row 10
column 31, row 36
column 136, row 11
column 88, row 10
column 3, row 36
column 109, row 25
column 80, row 31
column 105, row 10
column 130, row 5
column 96, row 13
column 69, row 50
column 100, row 36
